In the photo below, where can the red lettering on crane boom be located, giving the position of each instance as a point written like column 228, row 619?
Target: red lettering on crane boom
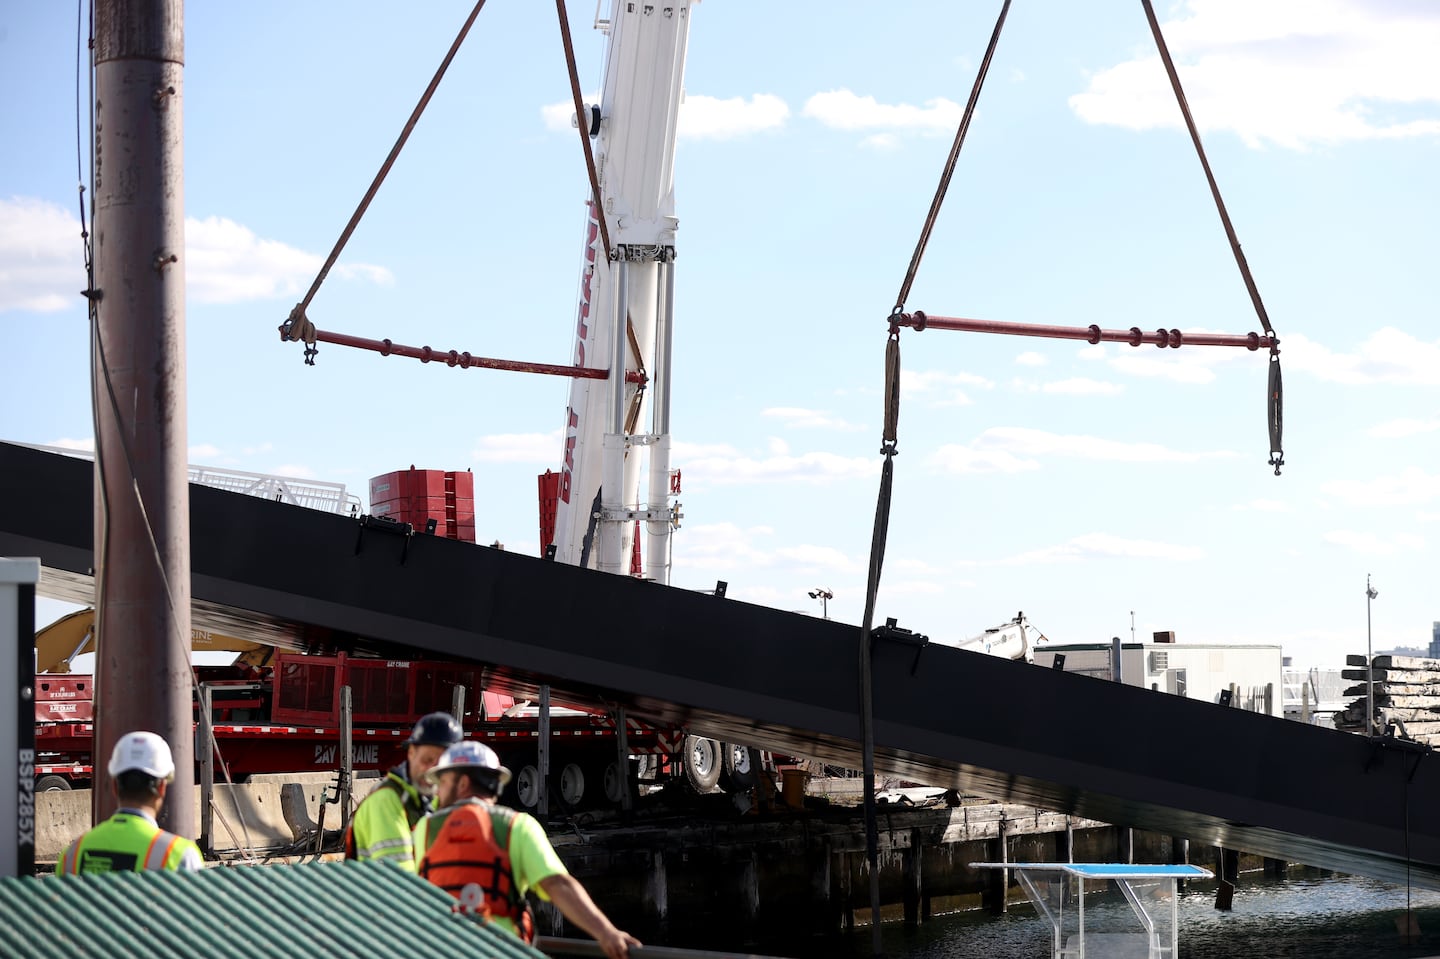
column 566, row 473
column 582, row 333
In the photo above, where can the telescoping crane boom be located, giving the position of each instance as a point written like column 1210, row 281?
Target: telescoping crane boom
column 626, row 303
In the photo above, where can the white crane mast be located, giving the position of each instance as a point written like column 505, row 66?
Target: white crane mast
column 634, row 144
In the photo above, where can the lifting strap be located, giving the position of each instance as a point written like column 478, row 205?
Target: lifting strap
column 1274, row 395
column 302, row 328
column 949, row 171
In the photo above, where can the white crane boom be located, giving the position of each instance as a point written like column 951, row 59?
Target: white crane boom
column 626, row 303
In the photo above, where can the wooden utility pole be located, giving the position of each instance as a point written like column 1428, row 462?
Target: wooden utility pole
column 142, row 506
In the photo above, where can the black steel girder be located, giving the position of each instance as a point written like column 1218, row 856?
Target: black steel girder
column 785, row 681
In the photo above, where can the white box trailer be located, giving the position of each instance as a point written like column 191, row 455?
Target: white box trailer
column 1252, row 677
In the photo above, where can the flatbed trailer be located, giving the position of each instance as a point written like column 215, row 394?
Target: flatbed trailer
column 285, row 718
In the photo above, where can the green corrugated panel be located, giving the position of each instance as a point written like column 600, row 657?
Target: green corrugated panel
column 324, row 910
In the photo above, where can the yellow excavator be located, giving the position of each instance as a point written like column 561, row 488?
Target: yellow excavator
column 59, row 643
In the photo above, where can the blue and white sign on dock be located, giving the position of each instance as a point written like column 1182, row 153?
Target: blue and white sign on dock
column 1147, row 929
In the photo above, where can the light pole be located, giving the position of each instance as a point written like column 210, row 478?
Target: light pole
column 1370, row 593
column 823, row 594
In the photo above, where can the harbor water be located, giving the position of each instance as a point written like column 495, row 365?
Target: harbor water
column 1330, row 917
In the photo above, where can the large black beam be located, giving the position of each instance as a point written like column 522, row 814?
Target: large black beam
column 787, row 681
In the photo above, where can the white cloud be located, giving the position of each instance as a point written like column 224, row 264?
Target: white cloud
column 682, row 450
column 1411, row 486
column 1031, row 358
column 293, row 471
column 537, row 448
column 41, row 266
column 939, row 388
column 1401, row 428
column 1388, row 356
column 203, row 451
column 86, row 445
column 228, row 263
column 1104, row 546
column 1289, row 72
column 700, row 117
column 560, row 117
column 1082, row 386
column 955, row 458
column 777, row 446
column 844, row 110
column 921, row 587
column 720, row 546
column 884, row 142
column 726, row 466
column 808, row 558
column 1370, row 544
column 1030, row 442
column 1180, row 370
column 709, row 118
column 42, row 261
column 1186, row 365
column 796, row 417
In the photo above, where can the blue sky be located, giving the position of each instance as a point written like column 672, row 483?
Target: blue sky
column 1075, row 483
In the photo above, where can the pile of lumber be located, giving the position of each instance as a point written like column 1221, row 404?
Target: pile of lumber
column 1407, row 693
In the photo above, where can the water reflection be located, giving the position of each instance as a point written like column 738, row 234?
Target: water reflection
column 1338, row 917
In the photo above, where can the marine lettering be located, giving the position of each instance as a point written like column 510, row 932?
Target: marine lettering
column 324, row 755
column 25, row 821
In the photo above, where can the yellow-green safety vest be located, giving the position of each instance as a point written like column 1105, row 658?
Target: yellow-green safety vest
column 128, row 842
column 382, row 825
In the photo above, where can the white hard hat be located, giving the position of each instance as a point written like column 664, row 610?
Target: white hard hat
column 142, row 752
column 469, row 755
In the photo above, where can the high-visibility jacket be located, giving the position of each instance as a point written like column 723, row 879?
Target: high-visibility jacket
column 384, row 821
column 129, row 841
column 465, row 850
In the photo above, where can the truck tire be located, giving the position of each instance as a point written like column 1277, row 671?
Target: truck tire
column 569, row 786
column 527, row 787
column 702, row 763
column 741, row 769
column 613, row 783
column 52, row 784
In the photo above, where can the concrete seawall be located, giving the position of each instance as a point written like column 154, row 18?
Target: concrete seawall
column 264, row 814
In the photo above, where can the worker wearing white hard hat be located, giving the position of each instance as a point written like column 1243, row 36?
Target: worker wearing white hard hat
column 141, row 770
column 489, row 856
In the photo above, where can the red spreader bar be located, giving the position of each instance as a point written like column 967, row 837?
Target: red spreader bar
column 1091, row 334
column 425, row 354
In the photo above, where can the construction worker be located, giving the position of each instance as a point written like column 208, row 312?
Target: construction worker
column 384, row 820
column 488, row 856
column 141, row 770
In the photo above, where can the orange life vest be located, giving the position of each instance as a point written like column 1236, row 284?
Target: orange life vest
column 468, row 856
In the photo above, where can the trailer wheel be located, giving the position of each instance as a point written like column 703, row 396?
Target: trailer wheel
column 702, row 763
column 742, row 767
column 527, row 786
column 616, row 779
column 570, row 783
column 52, row 784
